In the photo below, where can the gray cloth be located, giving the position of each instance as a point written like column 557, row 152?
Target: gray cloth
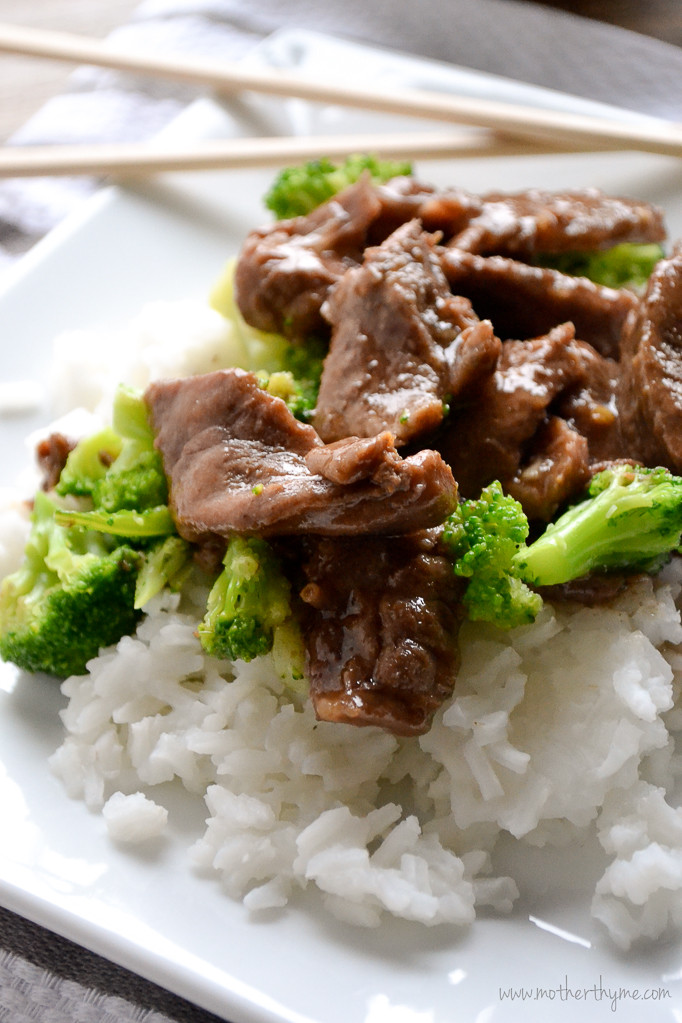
column 46, row 979
column 43, row 977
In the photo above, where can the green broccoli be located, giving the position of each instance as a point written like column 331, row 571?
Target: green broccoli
column 118, row 468
column 89, row 567
column 482, row 537
column 289, row 371
column 132, row 525
column 73, row 594
column 298, row 382
column 249, row 600
column 121, row 473
column 631, row 520
column 628, row 265
column 166, row 563
column 298, row 190
column 88, row 462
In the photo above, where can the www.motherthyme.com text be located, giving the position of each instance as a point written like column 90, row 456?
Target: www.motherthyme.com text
column 600, row 992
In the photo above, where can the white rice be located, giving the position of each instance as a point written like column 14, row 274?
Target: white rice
column 556, row 729
column 133, row 818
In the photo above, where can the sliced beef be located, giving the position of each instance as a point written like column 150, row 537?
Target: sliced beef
column 356, row 458
column 527, row 301
column 181, row 410
column 534, row 222
column 402, row 199
column 500, row 431
column 51, row 455
column 381, row 623
column 555, row 467
column 285, row 270
column 591, row 590
column 397, row 332
column 589, row 406
column 650, row 396
column 237, row 461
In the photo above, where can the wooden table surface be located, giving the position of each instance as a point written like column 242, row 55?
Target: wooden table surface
column 25, row 84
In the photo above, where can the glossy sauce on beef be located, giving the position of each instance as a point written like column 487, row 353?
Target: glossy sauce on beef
column 650, row 397
column 395, row 341
column 534, row 222
column 381, row 624
column 524, row 301
column 239, row 462
column 520, row 425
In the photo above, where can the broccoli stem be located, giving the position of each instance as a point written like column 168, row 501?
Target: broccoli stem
column 631, row 520
column 135, row 525
column 166, row 563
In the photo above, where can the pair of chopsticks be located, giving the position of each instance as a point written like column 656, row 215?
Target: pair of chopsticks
column 479, row 127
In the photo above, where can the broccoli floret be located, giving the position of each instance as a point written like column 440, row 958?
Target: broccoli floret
column 166, row 563
column 289, row 371
column 482, row 537
column 138, row 487
column 630, row 521
column 73, row 594
column 298, row 190
column 628, row 265
column 121, row 473
column 248, row 601
column 89, row 569
column 305, row 363
column 88, row 462
column 298, row 382
column 118, row 468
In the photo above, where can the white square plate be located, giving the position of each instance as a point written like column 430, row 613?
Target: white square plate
column 149, row 912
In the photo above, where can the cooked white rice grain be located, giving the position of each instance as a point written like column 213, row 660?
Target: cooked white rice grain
column 133, row 818
column 166, row 339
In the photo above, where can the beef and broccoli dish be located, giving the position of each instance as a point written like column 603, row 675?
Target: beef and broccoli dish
column 479, row 407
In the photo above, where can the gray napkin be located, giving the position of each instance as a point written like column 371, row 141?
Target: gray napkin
column 43, row 977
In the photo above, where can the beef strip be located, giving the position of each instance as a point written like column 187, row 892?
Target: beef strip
column 527, row 301
column 51, row 455
column 589, row 406
column 556, row 467
column 650, row 395
column 381, row 621
column 397, row 335
column 534, row 222
column 500, row 430
column 591, row 590
column 285, row 270
column 402, row 199
column 237, row 461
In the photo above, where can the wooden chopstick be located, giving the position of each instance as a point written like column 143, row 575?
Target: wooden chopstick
column 135, row 159
column 567, row 129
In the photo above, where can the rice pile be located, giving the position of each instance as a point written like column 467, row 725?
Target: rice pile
column 556, row 729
